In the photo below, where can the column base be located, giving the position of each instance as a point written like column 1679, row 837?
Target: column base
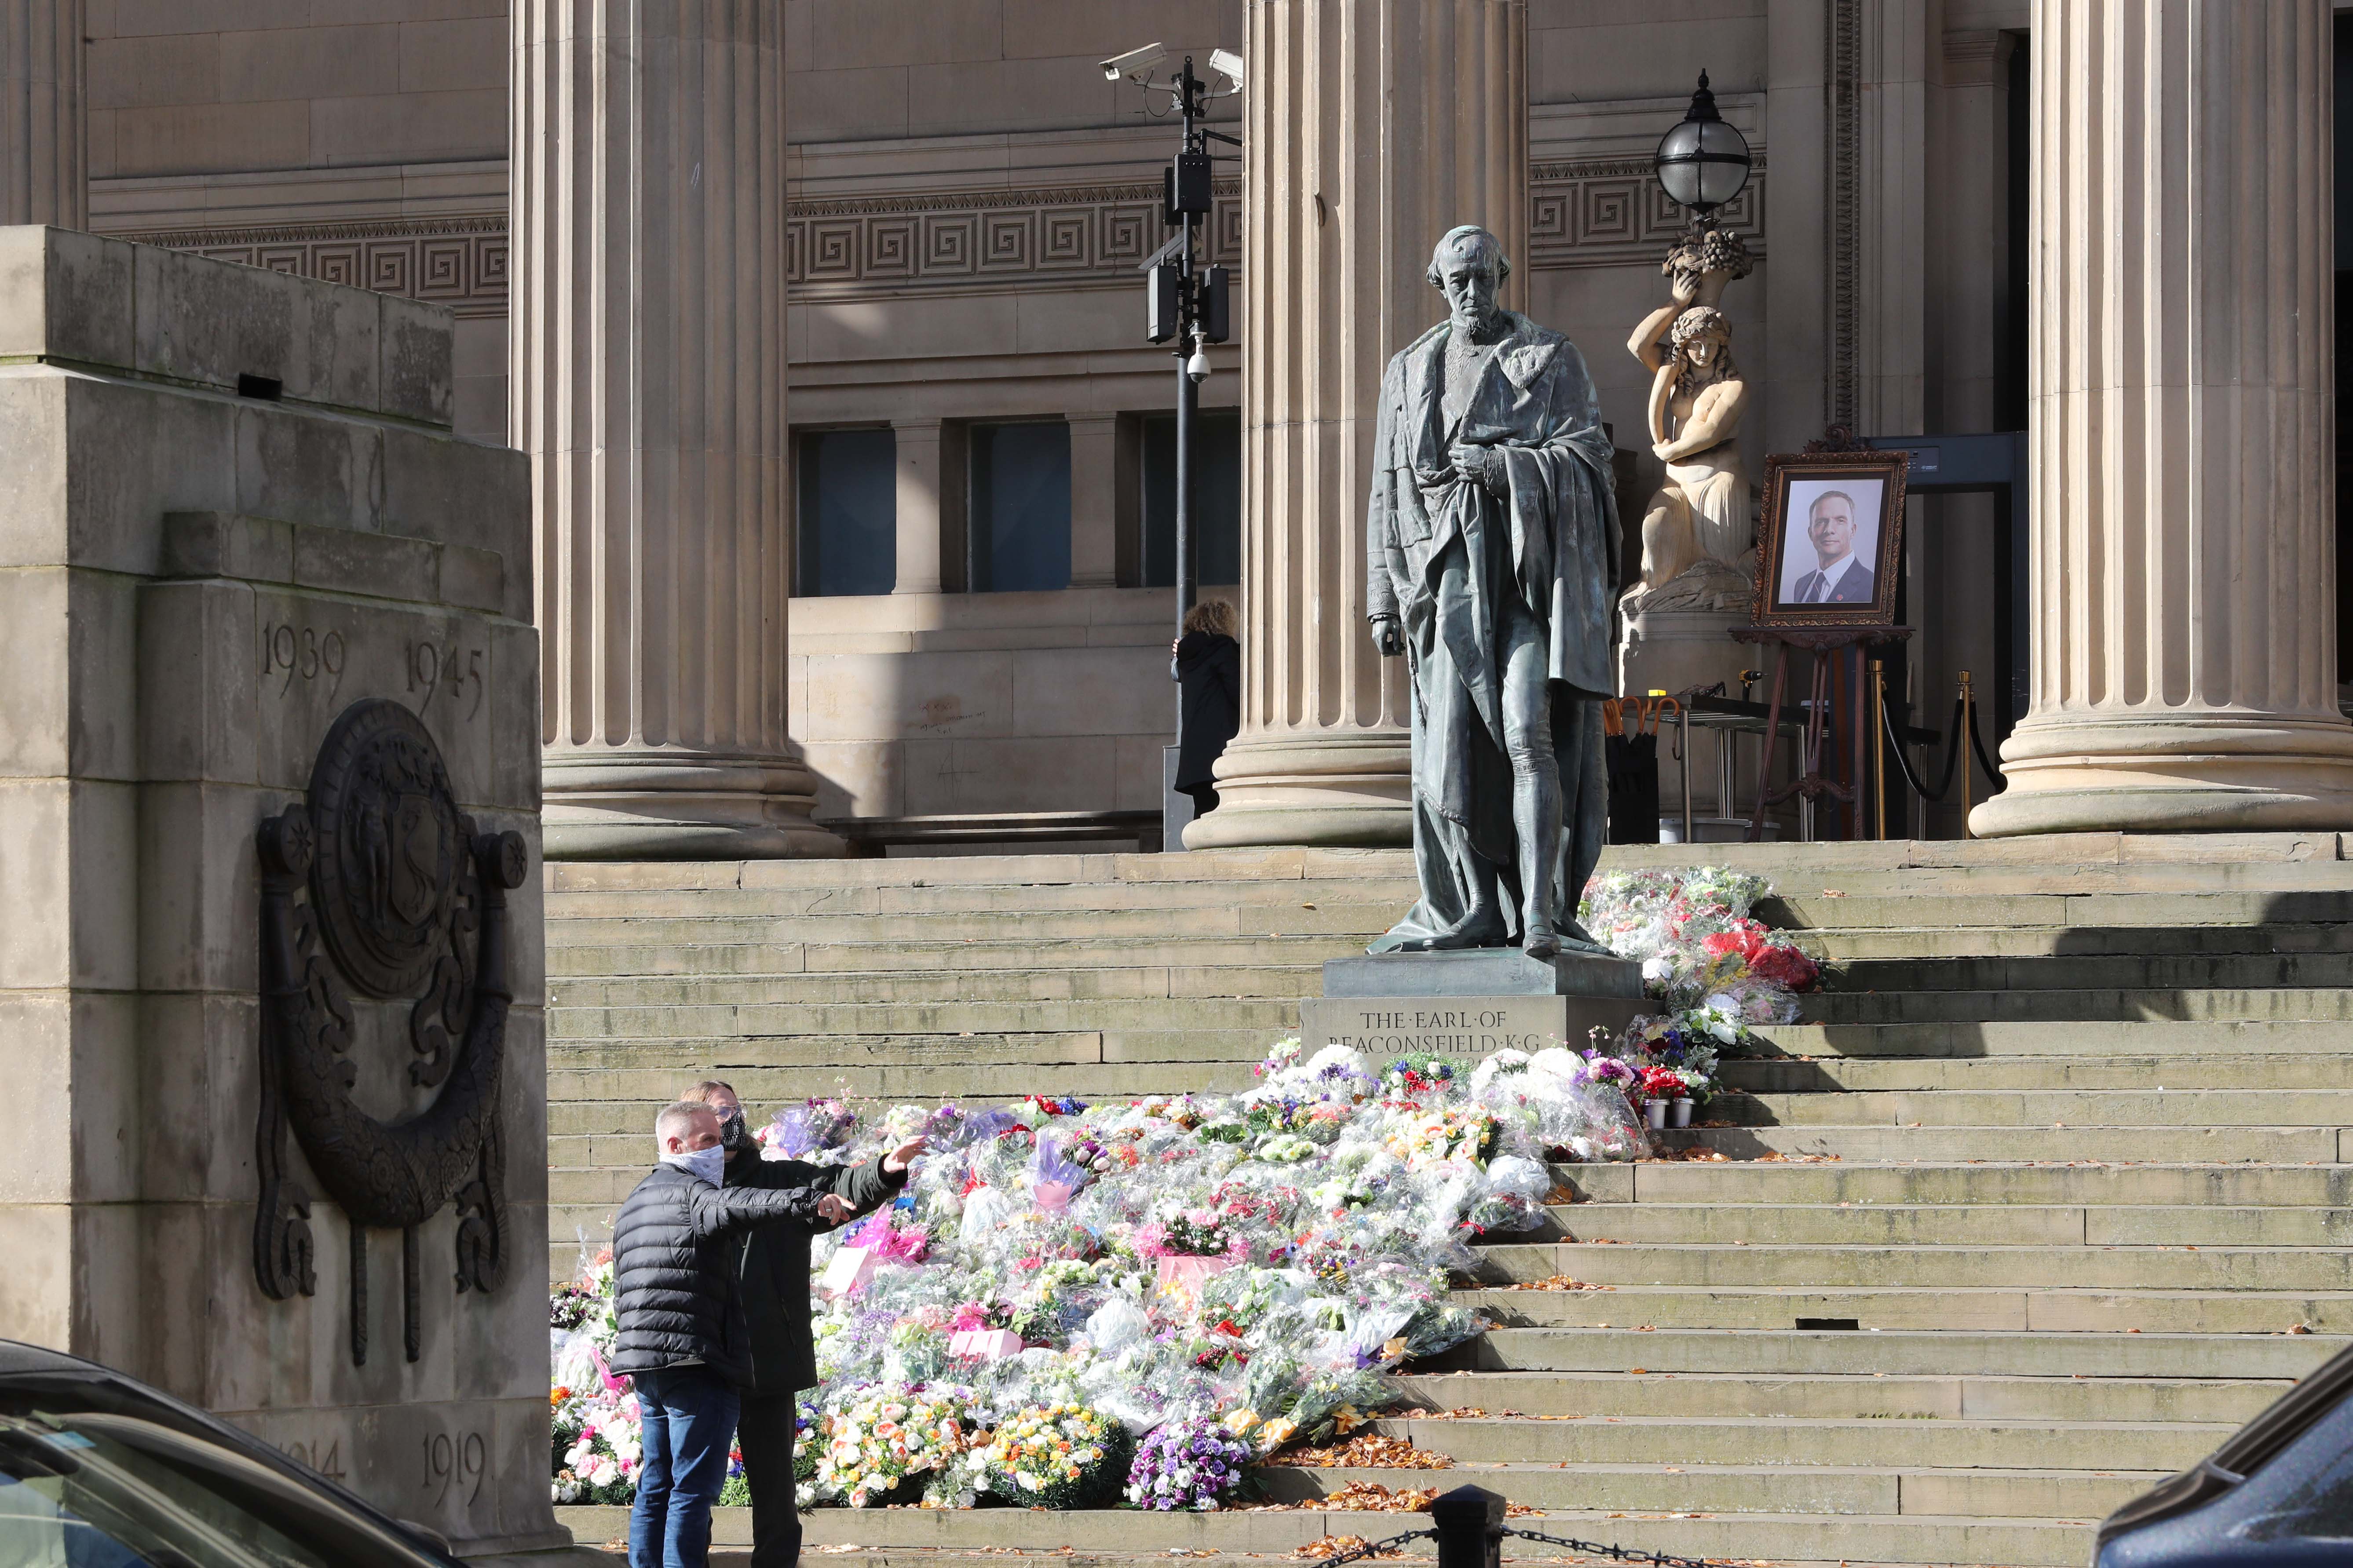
column 2199, row 773
column 664, row 804
column 1352, row 790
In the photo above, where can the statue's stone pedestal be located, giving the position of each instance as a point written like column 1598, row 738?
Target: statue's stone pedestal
column 1470, row 1004
column 199, row 583
column 1673, row 651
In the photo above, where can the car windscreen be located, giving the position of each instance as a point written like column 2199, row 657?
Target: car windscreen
column 91, row 1477
column 2306, row 1491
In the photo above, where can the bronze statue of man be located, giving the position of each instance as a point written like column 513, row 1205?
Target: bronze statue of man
column 1494, row 546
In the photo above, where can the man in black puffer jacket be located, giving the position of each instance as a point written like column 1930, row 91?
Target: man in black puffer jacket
column 683, row 1338
column 775, row 1265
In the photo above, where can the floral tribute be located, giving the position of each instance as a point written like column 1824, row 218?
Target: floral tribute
column 1197, row 1281
column 1717, row 971
column 1187, row 1465
column 1058, row 1456
column 889, row 1443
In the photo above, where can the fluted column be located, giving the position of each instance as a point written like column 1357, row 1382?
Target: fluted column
column 648, row 345
column 2183, row 425
column 43, row 166
column 1373, row 128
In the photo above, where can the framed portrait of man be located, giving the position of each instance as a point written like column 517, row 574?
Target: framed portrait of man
column 1831, row 542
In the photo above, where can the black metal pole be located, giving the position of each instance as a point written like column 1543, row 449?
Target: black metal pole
column 1188, row 392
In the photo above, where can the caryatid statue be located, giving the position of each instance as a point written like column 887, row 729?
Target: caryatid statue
column 1494, row 546
column 1696, row 532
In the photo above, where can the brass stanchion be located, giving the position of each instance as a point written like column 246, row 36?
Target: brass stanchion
column 1969, row 723
column 1878, row 749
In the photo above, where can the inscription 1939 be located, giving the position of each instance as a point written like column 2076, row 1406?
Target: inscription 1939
column 302, row 653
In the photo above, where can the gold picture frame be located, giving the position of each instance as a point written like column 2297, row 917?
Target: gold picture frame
column 1853, row 497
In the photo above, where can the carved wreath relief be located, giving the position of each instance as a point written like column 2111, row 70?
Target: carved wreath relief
column 406, row 900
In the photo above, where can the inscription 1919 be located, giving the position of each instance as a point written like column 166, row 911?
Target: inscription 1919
column 456, row 1463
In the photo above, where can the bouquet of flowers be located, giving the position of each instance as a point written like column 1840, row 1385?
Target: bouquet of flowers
column 1057, row 1456
column 1192, row 1464
column 890, row 1238
column 885, row 1443
column 598, row 1447
column 1455, row 1133
column 810, row 1130
column 1416, row 1076
column 1192, row 1232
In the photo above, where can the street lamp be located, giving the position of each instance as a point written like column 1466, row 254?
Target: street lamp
column 1184, row 303
column 1702, row 162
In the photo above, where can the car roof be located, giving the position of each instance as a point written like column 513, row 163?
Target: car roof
column 17, row 1356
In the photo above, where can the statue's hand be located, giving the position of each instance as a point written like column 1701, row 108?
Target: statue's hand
column 1388, row 636
column 1683, row 287
column 1483, row 466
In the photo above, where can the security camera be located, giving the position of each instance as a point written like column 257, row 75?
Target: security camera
column 1136, row 64
column 1226, row 63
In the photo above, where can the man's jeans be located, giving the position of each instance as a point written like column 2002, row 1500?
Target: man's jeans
column 689, row 1416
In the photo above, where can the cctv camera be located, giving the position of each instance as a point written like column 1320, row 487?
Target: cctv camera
column 1136, row 63
column 1226, row 63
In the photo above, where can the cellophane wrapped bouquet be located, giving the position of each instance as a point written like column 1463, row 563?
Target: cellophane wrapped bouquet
column 1716, row 970
column 1250, row 1265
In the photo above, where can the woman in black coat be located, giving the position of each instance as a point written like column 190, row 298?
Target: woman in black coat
column 1208, row 671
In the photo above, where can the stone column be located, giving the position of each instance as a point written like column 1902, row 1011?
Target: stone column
column 43, row 167
column 2182, row 425
column 1373, row 129
column 648, row 347
column 921, row 503
column 1094, row 500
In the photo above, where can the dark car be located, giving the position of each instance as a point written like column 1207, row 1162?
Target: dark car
column 100, row 1471
column 2278, row 1494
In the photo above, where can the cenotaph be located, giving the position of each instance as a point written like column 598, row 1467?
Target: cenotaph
column 270, row 850
column 1494, row 557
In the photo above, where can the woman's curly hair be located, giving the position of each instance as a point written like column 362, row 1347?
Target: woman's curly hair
column 1693, row 323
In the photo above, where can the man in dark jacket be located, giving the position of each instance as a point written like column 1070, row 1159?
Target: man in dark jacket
column 682, row 1339
column 774, row 1270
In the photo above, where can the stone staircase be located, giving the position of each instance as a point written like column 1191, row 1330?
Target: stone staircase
column 2047, row 1194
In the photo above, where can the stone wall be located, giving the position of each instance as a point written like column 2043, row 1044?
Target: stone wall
column 233, row 508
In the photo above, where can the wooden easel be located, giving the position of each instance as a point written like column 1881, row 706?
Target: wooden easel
column 1811, row 782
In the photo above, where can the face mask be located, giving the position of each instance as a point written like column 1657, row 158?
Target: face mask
column 731, row 1132
column 708, row 1164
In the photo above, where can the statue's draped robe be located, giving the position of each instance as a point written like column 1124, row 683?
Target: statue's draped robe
column 1446, row 555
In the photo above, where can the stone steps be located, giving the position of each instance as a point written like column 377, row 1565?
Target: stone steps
column 2252, row 1107
column 2065, row 1365
column 910, row 1536
column 1763, row 1488
column 2126, row 1075
column 1969, row 1181
column 2053, row 1145
column 1939, row 1308
column 1965, row 1280
column 1969, row 1040
column 1770, row 1384
column 1956, row 1224
column 1802, row 1266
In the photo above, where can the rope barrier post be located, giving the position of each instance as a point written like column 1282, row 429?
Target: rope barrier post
column 1961, row 739
column 1470, row 1527
column 1878, row 748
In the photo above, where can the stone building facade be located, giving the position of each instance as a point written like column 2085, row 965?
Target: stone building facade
column 964, row 200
